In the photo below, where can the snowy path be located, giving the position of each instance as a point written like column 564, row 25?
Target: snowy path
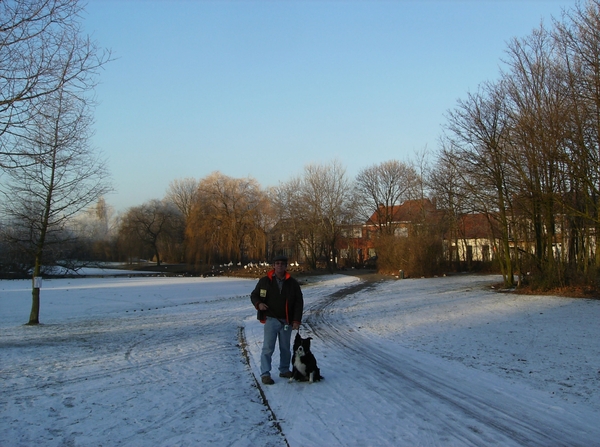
column 380, row 393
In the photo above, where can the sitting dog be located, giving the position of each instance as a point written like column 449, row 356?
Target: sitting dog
column 304, row 363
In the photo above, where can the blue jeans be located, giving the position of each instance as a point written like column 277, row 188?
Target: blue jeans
column 275, row 330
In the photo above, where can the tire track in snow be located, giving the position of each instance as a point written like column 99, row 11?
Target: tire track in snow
column 444, row 405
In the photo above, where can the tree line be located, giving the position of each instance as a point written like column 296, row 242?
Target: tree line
column 220, row 220
column 524, row 150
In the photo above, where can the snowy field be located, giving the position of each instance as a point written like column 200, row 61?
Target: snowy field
column 426, row 362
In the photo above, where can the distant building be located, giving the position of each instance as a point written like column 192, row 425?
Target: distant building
column 470, row 239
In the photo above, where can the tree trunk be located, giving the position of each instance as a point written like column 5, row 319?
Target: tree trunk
column 34, row 315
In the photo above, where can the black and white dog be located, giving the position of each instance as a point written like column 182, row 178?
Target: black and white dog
column 304, row 363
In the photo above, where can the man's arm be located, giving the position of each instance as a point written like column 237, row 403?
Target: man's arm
column 298, row 307
column 259, row 295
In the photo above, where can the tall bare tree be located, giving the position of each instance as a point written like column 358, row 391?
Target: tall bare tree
column 327, row 196
column 47, row 70
column 577, row 36
column 182, row 193
column 315, row 207
column 479, row 147
column 42, row 52
column 379, row 188
column 289, row 226
column 157, row 226
column 538, row 104
column 61, row 176
column 451, row 194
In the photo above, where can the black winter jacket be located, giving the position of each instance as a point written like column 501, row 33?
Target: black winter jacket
column 286, row 305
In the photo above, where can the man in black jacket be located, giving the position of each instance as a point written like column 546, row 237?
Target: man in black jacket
column 279, row 303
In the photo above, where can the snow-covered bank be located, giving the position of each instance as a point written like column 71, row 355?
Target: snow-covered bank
column 156, row 361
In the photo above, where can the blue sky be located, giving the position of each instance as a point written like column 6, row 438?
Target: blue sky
column 262, row 88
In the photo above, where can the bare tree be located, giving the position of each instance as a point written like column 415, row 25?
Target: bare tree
column 327, row 195
column 479, row 148
column 182, row 193
column 156, row 226
column 314, row 208
column 42, row 52
column 537, row 104
column 47, row 69
column 289, row 227
column 446, row 184
column 379, row 188
column 61, row 176
column 577, row 36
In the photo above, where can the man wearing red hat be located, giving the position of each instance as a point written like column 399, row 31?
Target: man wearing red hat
column 278, row 300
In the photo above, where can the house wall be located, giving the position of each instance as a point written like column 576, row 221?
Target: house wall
column 468, row 250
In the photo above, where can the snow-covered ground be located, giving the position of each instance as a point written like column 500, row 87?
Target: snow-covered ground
column 161, row 362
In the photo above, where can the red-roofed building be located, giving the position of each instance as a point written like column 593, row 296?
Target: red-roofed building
column 358, row 242
column 468, row 240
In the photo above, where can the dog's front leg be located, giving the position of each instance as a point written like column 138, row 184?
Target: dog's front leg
column 311, row 377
